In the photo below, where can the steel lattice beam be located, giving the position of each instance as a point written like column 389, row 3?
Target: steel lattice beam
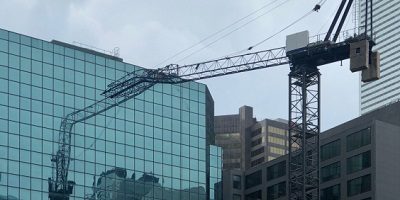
column 214, row 68
column 304, row 128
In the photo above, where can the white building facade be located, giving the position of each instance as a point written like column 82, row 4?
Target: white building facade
column 386, row 28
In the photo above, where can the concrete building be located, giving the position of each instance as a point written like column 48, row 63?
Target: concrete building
column 247, row 142
column 166, row 131
column 360, row 160
column 386, row 26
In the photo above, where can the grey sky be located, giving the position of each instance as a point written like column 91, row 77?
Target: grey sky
column 149, row 31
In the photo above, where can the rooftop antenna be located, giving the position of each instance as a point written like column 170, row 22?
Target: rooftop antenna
column 114, row 52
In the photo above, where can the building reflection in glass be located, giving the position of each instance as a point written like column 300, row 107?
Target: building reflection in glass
column 2, row 197
column 114, row 184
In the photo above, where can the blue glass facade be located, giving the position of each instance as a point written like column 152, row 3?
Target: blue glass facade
column 156, row 146
column 215, row 173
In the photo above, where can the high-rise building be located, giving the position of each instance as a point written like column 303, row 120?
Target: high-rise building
column 386, row 29
column 247, row 142
column 359, row 159
column 155, row 146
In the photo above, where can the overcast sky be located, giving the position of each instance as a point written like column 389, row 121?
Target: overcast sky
column 149, row 31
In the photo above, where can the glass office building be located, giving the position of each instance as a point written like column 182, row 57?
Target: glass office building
column 155, row 146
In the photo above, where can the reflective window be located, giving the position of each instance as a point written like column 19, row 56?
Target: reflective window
column 237, row 197
column 276, row 170
column 358, row 139
column 330, row 150
column 331, row 193
column 257, row 195
column 253, row 179
column 330, row 172
column 276, row 191
column 359, row 162
column 237, row 182
column 359, row 185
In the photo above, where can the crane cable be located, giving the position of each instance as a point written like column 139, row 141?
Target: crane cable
column 334, row 10
column 95, row 140
column 216, row 33
column 315, row 9
column 225, row 28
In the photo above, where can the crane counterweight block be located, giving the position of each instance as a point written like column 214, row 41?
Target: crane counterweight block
column 359, row 55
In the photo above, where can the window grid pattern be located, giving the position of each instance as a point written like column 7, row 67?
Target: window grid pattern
column 160, row 134
column 215, row 173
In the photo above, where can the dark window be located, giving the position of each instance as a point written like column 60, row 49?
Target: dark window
column 276, row 171
column 256, row 142
column 231, row 165
column 331, row 193
column 359, row 185
column 254, row 196
column 276, row 191
column 253, row 179
column 257, row 162
column 237, row 182
column 330, row 172
column 256, row 132
column 237, row 197
column 359, row 162
column 358, row 139
column 257, row 151
column 330, row 150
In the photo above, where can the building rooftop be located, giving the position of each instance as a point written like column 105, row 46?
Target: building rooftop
column 86, row 50
column 389, row 114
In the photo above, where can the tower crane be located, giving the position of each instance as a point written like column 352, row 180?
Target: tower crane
column 304, row 98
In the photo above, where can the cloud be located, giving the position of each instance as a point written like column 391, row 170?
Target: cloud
column 148, row 32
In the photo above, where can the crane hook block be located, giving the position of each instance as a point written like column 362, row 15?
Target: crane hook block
column 317, row 7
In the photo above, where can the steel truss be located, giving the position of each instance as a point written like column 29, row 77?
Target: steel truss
column 219, row 67
column 304, row 129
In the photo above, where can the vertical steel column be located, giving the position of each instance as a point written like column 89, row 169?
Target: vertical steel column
column 304, row 129
column 366, row 18
column 371, row 20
